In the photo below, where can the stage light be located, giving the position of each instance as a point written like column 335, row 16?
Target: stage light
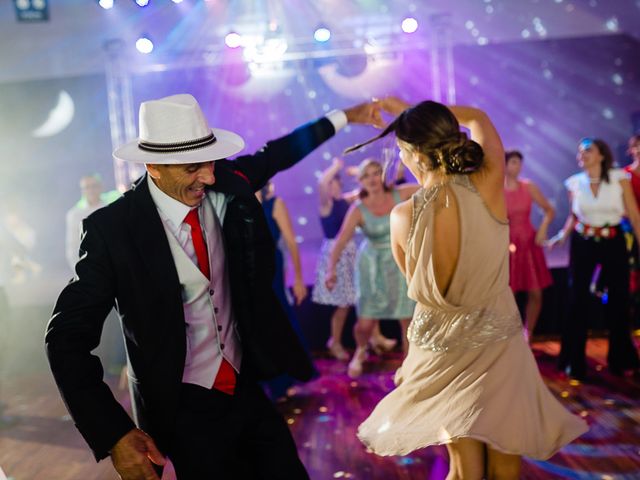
column 176, row 1
column 322, row 34
column 233, row 40
column 144, row 44
column 409, row 25
column 142, row 3
column 269, row 50
column 106, row 4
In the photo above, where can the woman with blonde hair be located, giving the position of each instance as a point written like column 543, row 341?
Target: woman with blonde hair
column 381, row 292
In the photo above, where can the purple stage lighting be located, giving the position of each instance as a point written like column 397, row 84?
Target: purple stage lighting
column 142, row 3
column 144, row 45
column 233, row 40
column 106, row 4
column 322, row 34
column 409, row 25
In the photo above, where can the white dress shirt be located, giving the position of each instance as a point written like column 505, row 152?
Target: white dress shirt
column 210, row 327
column 211, row 330
column 605, row 208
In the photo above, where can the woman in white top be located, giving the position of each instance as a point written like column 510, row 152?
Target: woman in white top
column 599, row 197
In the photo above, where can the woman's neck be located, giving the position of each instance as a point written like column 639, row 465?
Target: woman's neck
column 510, row 182
column 376, row 194
column 594, row 172
column 429, row 179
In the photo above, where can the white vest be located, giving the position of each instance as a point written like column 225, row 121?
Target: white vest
column 210, row 327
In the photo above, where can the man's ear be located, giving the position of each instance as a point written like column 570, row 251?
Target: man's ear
column 153, row 170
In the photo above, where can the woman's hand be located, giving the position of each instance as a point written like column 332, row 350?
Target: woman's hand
column 365, row 114
column 541, row 237
column 299, row 291
column 331, row 278
column 558, row 239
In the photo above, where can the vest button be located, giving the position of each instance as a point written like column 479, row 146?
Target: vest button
column 211, row 292
column 215, row 309
column 219, row 328
column 222, row 346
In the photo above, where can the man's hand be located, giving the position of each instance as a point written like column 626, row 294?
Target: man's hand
column 366, row 114
column 133, row 454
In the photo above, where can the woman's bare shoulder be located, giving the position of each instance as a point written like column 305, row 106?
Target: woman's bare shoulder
column 402, row 213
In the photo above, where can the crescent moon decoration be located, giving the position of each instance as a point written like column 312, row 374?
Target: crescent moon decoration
column 59, row 117
column 378, row 78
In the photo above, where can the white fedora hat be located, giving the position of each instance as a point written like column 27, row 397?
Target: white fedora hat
column 173, row 130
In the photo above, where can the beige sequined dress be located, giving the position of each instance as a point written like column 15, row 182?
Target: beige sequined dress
column 469, row 371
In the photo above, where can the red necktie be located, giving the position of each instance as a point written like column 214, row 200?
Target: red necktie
column 198, row 241
column 226, row 379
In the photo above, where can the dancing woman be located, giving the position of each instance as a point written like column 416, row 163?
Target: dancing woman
column 381, row 289
column 469, row 380
column 600, row 195
column 528, row 270
column 280, row 226
column 634, row 171
column 333, row 208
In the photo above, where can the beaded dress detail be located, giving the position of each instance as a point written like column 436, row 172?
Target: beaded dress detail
column 469, row 371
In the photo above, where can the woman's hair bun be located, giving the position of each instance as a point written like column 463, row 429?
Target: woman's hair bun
column 458, row 154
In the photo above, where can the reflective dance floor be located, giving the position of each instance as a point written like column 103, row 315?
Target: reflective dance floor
column 41, row 443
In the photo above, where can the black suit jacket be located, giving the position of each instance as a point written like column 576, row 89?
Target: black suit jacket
column 126, row 262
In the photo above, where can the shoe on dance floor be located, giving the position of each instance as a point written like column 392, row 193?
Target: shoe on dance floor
column 355, row 365
column 337, row 351
column 382, row 344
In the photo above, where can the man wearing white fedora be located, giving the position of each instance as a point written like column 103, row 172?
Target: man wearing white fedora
column 187, row 259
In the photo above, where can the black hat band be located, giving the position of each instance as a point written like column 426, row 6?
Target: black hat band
column 179, row 146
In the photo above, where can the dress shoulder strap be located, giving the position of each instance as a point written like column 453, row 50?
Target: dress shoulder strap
column 420, row 200
column 465, row 181
column 360, row 206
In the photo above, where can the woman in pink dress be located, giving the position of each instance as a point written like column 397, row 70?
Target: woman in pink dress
column 634, row 171
column 634, row 167
column 528, row 270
